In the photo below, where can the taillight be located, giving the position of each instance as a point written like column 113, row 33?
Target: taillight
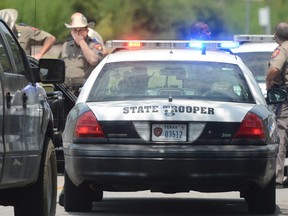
column 88, row 126
column 251, row 128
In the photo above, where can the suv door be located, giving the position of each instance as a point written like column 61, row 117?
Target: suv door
column 22, row 114
column 1, row 113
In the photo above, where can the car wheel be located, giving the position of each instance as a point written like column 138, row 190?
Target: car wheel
column 40, row 198
column 77, row 199
column 262, row 200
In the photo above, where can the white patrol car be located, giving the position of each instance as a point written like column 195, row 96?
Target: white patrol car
column 255, row 51
column 171, row 116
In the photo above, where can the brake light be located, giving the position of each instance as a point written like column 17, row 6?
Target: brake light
column 251, row 127
column 87, row 125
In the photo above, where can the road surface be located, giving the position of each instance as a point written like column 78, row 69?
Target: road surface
column 157, row 204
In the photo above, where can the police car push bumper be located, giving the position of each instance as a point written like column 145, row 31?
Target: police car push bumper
column 228, row 167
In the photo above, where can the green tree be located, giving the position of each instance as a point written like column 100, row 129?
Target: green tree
column 49, row 15
column 148, row 19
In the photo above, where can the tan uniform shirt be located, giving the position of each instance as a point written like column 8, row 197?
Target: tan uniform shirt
column 77, row 68
column 279, row 59
column 29, row 37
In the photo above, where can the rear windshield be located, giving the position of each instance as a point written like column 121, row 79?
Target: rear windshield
column 257, row 62
column 186, row 80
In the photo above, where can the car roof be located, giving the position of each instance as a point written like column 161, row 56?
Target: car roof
column 171, row 50
column 254, row 43
column 255, row 47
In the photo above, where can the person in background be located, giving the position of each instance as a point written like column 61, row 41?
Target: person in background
column 80, row 53
column 277, row 77
column 28, row 36
column 200, row 31
column 94, row 34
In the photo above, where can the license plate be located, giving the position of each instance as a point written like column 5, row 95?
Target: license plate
column 169, row 132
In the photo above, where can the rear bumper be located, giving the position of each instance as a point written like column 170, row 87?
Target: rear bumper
column 178, row 168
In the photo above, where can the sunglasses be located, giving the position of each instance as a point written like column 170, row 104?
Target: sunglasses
column 77, row 31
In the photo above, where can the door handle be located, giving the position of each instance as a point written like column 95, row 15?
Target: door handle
column 8, row 100
column 24, row 99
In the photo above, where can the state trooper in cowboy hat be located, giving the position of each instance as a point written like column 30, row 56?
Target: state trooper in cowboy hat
column 91, row 32
column 9, row 16
column 81, row 53
column 28, row 36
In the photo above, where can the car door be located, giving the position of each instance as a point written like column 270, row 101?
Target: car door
column 1, row 115
column 22, row 115
column 13, row 115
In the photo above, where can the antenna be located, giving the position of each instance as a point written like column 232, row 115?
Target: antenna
column 170, row 28
column 35, row 20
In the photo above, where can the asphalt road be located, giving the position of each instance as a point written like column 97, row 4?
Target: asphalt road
column 157, row 204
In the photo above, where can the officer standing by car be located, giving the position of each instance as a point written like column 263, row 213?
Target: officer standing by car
column 277, row 77
column 28, row 36
column 94, row 35
column 200, row 31
column 80, row 53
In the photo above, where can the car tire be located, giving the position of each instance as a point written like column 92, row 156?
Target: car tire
column 262, row 200
column 97, row 196
column 40, row 198
column 77, row 199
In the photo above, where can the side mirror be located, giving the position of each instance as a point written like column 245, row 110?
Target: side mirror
column 51, row 71
column 276, row 95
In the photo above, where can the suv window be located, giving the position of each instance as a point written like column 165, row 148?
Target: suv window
column 4, row 60
column 19, row 65
column 188, row 80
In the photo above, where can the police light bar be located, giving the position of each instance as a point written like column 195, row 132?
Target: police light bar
column 254, row 38
column 171, row 44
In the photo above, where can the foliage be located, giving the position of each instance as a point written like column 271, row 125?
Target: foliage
column 43, row 14
column 148, row 19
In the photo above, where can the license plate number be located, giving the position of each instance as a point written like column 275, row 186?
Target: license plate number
column 169, row 132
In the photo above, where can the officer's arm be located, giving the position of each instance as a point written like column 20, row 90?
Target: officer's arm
column 48, row 43
column 271, row 74
column 91, row 57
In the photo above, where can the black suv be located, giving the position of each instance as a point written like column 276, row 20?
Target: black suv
column 61, row 99
column 28, row 167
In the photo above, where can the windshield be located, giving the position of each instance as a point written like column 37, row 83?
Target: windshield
column 257, row 62
column 188, row 80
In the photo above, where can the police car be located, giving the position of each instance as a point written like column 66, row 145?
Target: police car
column 255, row 51
column 171, row 116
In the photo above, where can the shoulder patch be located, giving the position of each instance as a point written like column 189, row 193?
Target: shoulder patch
column 275, row 53
column 98, row 47
column 34, row 29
